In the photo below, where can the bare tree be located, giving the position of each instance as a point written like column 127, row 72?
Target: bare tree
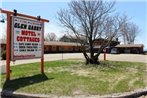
column 50, row 37
column 132, row 34
column 91, row 19
column 129, row 32
column 125, row 33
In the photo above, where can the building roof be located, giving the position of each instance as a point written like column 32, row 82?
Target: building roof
column 102, row 39
column 129, row 46
column 73, row 37
column 58, row 43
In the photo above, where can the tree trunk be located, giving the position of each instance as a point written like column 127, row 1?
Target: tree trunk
column 85, row 55
column 93, row 60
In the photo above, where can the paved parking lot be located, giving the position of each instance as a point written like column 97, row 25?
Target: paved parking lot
column 59, row 56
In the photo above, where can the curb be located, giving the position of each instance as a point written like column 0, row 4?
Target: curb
column 133, row 94
column 12, row 94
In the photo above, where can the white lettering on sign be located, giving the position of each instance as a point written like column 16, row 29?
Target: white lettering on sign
column 26, row 38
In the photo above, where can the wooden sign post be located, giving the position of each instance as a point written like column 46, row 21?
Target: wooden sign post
column 9, row 43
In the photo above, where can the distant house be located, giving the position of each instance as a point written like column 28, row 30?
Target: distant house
column 73, row 39
column 130, row 48
column 99, row 42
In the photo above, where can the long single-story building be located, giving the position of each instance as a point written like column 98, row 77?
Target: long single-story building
column 129, row 48
column 52, row 47
column 116, row 47
column 58, row 47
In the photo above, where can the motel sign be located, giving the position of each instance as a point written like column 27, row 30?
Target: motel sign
column 26, row 42
column 25, row 38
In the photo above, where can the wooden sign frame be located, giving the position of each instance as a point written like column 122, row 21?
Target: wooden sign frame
column 8, row 41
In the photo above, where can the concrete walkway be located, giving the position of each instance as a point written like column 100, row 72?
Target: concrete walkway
column 113, row 57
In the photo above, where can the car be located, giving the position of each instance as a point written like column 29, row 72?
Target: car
column 114, row 51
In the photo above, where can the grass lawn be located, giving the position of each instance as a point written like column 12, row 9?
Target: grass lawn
column 72, row 77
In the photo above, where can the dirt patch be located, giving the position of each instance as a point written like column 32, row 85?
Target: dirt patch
column 132, row 70
column 81, row 72
column 77, row 71
column 74, row 70
column 78, row 92
column 132, row 81
column 116, row 81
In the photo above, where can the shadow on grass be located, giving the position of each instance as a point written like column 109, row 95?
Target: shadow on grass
column 13, row 85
